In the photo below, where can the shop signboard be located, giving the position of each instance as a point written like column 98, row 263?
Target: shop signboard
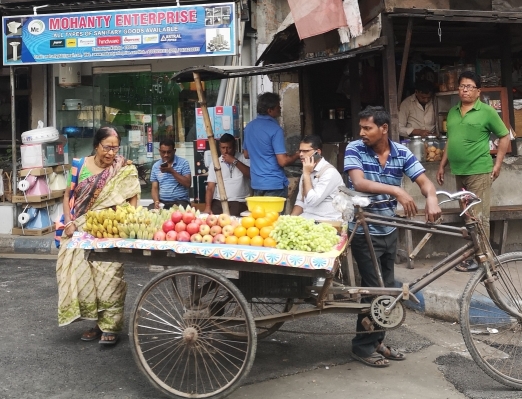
column 130, row 34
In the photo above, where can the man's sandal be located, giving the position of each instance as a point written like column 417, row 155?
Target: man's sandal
column 374, row 360
column 390, row 353
column 105, row 341
column 92, row 335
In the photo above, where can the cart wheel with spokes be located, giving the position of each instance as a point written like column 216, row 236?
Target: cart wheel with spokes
column 491, row 320
column 176, row 333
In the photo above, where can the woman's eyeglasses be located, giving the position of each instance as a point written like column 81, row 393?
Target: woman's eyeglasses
column 107, row 148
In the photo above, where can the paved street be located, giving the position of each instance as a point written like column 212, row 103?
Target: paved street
column 40, row 360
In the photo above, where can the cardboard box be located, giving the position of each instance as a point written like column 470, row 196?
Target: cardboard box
column 42, row 155
column 224, row 119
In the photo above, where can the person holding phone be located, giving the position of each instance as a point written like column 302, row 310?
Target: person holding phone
column 170, row 177
column 318, row 184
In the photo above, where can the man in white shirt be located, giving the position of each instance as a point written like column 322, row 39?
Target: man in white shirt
column 235, row 169
column 416, row 115
column 318, row 184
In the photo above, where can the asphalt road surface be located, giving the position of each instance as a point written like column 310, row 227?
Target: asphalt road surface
column 41, row 360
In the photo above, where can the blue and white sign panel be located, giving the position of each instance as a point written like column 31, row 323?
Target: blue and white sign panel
column 145, row 33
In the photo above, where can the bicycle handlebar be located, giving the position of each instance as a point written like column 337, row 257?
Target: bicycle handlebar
column 458, row 196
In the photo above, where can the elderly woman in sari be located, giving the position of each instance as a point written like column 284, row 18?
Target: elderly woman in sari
column 94, row 290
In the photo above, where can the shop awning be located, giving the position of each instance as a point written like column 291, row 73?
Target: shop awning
column 459, row 15
column 226, row 72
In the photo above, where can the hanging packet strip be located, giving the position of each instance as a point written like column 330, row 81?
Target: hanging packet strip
column 76, row 168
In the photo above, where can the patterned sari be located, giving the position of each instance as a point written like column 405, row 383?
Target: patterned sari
column 95, row 290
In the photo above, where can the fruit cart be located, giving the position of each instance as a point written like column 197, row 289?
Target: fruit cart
column 194, row 327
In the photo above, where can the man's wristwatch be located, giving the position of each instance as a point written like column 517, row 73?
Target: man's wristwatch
column 235, row 162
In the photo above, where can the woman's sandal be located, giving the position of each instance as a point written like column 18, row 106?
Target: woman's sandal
column 115, row 338
column 374, row 360
column 390, row 353
column 92, row 335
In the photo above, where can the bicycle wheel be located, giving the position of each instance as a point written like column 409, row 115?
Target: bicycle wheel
column 491, row 322
column 260, row 307
column 176, row 338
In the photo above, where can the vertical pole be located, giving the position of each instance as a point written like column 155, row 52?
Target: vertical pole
column 404, row 63
column 390, row 80
column 355, row 95
column 13, row 136
column 213, row 149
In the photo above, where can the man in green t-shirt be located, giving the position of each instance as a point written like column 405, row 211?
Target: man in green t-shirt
column 467, row 151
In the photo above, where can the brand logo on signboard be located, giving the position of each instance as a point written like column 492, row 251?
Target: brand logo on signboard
column 70, row 43
column 36, row 27
column 57, row 43
column 147, row 39
column 171, row 37
column 86, row 42
column 109, row 41
column 131, row 39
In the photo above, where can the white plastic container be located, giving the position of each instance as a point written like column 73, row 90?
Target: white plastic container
column 7, row 212
column 72, row 103
column 40, row 135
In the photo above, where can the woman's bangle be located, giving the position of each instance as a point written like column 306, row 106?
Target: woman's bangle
column 68, row 224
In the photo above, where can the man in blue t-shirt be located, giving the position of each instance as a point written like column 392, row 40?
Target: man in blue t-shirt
column 264, row 145
column 376, row 165
column 170, row 177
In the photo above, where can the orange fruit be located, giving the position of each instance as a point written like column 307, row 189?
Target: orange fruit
column 252, row 231
column 269, row 242
column 231, row 240
column 240, row 231
column 245, row 240
column 257, row 241
column 265, row 231
column 248, row 221
column 272, row 216
column 258, row 212
column 262, row 222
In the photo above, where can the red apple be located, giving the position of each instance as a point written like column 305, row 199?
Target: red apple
column 228, row 230
column 215, row 230
column 172, row 236
column 180, row 226
column 168, row 226
column 219, row 239
column 198, row 221
column 234, row 222
column 196, row 238
column 188, row 217
column 183, row 236
column 204, row 229
column 212, row 220
column 223, row 220
column 207, row 238
column 159, row 235
column 192, row 228
column 176, row 216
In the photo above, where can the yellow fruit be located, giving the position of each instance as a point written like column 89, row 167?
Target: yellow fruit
column 245, row 240
column 248, row 221
column 258, row 212
column 232, row 240
column 240, row 231
column 269, row 242
column 272, row 216
column 265, row 231
column 262, row 222
column 252, row 232
column 256, row 241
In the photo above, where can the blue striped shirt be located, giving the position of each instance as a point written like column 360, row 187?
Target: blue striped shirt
column 169, row 188
column 400, row 162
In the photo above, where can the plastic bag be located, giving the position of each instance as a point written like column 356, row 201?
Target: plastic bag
column 345, row 204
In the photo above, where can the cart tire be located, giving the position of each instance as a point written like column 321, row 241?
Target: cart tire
column 176, row 338
column 491, row 321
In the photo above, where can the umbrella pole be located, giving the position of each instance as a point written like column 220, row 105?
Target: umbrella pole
column 212, row 142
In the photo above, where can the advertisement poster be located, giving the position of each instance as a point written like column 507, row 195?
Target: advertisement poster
column 130, row 34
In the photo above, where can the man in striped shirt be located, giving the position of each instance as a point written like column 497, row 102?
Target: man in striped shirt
column 376, row 165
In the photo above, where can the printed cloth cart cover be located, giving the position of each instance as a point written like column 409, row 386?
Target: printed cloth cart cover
column 240, row 253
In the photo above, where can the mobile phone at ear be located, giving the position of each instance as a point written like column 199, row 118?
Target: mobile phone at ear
column 316, row 156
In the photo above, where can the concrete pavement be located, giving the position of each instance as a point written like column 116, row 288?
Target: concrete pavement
column 439, row 300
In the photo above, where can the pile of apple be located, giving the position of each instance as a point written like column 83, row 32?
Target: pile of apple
column 186, row 226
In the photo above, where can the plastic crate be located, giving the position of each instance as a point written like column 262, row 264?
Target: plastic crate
column 261, row 285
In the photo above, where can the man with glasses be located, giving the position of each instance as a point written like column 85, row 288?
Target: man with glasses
column 170, row 177
column 264, row 145
column 318, row 184
column 235, row 169
column 416, row 114
column 467, row 151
